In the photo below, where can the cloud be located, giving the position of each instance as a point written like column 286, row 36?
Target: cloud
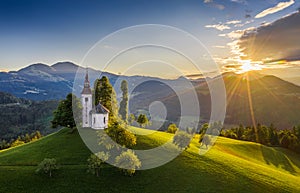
column 280, row 6
column 233, row 22
column 234, row 34
column 276, row 41
column 220, row 27
column 214, row 5
column 237, row 34
column 240, row 1
column 218, row 6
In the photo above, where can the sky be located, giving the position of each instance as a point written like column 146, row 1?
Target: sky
column 238, row 34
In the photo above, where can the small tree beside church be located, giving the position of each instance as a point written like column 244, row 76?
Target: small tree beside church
column 106, row 95
column 64, row 115
column 119, row 134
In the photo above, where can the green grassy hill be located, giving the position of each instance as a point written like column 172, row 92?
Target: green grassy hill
column 230, row 166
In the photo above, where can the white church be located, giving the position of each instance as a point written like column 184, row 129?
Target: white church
column 92, row 117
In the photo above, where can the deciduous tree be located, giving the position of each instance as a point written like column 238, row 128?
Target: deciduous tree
column 131, row 118
column 95, row 162
column 64, row 114
column 47, row 166
column 142, row 120
column 172, row 128
column 182, row 139
column 128, row 162
column 106, row 95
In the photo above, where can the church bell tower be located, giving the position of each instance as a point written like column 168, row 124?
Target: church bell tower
column 87, row 102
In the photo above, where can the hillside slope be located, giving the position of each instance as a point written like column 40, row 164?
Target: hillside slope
column 21, row 116
column 230, row 166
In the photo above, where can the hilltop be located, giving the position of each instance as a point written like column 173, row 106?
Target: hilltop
column 230, row 166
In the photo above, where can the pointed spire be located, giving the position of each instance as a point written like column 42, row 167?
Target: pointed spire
column 87, row 75
column 87, row 82
column 87, row 87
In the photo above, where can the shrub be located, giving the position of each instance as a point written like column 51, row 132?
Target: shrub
column 128, row 162
column 182, row 139
column 172, row 128
column 121, row 135
column 17, row 143
column 206, row 140
column 142, row 120
column 95, row 162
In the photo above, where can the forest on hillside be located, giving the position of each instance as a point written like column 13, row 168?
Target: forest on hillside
column 22, row 116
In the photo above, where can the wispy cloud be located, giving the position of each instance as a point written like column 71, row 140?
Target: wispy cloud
column 233, row 22
column 280, row 6
column 220, row 27
column 237, row 34
column 218, row 6
column 240, row 1
column 214, row 5
column 234, row 34
column 243, row 24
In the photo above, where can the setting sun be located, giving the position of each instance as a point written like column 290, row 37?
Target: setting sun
column 248, row 66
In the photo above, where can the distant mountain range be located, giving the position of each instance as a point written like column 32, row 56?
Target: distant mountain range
column 40, row 81
column 273, row 100
column 251, row 97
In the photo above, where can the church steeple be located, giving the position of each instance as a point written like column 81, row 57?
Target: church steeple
column 97, row 117
column 87, row 87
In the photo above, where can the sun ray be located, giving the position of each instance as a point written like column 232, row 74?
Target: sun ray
column 251, row 107
column 230, row 94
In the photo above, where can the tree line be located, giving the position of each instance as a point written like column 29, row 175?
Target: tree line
column 21, row 116
column 265, row 135
column 20, row 140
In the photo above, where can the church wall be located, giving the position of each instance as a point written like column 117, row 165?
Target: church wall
column 99, row 121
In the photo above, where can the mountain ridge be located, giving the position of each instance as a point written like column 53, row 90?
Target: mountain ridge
column 43, row 82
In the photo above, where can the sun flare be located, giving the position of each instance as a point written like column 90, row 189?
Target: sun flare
column 248, row 66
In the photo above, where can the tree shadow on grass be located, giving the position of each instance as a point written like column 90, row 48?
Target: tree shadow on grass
column 278, row 159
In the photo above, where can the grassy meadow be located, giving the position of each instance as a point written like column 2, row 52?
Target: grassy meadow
column 229, row 166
